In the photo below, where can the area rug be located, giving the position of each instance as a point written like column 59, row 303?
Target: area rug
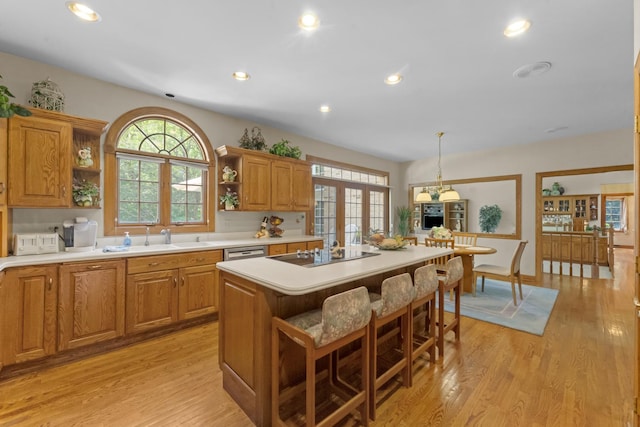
column 495, row 305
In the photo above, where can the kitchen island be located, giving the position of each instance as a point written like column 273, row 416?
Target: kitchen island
column 252, row 291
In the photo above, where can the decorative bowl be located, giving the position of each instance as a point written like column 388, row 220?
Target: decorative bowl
column 391, row 247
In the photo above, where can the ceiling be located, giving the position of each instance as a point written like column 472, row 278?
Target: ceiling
column 457, row 65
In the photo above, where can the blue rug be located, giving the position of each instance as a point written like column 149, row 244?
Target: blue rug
column 495, row 305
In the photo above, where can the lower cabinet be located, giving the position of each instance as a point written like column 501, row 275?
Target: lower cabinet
column 90, row 303
column 28, row 299
column 287, row 248
column 158, row 296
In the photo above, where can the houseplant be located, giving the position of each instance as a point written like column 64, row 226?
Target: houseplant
column 404, row 214
column 229, row 200
column 85, row 193
column 283, row 149
column 490, row 216
column 8, row 109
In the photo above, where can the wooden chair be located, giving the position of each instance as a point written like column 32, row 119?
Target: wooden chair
column 423, row 309
column 412, row 240
column 343, row 319
column 451, row 281
column 390, row 307
column 506, row 273
column 465, row 238
column 441, row 261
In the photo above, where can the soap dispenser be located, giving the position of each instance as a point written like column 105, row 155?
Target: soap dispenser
column 127, row 239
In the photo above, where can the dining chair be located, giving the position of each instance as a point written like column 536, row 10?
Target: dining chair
column 441, row 261
column 461, row 238
column 510, row 273
column 342, row 321
column 412, row 240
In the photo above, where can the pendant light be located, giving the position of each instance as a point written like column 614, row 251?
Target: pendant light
column 445, row 193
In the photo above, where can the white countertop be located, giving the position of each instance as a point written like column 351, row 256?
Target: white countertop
column 291, row 279
column 153, row 249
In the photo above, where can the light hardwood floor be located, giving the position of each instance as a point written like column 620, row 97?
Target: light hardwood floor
column 578, row 374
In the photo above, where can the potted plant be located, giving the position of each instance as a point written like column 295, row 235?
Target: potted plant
column 490, row 216
column 283, row 149
column 230, row 200
column 8, row 109
column 85, row 193
column 404, row 214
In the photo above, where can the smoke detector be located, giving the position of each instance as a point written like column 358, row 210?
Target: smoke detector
column 531, row 70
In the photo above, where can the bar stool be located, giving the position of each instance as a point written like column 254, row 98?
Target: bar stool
column 423, row 309
column 393, row 304
column 452, row 280
column 343, row 319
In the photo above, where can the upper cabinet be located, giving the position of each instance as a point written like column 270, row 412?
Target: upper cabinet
column 46, row 152
column 264, row 181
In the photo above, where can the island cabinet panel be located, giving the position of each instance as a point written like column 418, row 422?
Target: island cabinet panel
column 198, row 293
column 28, row 299
column 39, row 156
column 91, row 303
column 152, row 300
column 256, row 180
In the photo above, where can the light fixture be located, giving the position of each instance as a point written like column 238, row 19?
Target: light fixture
column 325, row 109
column 82, row 11
column 241, row 76
column 445, row 192
column 517, row 27
column 393, row 79
column 308, row 22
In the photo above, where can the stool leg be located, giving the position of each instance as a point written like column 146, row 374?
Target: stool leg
column 373, row 366
column 431, row 307
column 365, row 362
column 275, row 376
column 458, row 291
column 310, row 388
column 407, row 345
column 440, row 320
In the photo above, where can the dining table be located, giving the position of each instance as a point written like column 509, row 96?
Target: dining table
column 467, row 252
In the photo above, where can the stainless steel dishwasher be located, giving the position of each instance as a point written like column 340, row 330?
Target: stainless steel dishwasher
column 244, row 252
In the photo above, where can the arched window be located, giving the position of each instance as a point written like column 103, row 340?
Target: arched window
column 158, row 171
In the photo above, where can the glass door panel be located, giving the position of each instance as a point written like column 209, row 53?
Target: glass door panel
column 352, row 216
column 325, row 213
column 377, row 217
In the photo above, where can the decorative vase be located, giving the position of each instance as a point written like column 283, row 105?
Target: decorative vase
column 228, row 174
column 228, row 206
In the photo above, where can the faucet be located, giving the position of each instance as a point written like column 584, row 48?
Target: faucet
column 146, row 240
column 167, row 235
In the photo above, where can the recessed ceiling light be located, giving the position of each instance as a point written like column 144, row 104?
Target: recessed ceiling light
column 82, row 11
column 517, row 27
column 325, row 109
column 241, row 75
column 393, row 79
column 530, row 70
column 308, row 21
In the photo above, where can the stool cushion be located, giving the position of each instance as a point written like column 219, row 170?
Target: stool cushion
column 341, row 314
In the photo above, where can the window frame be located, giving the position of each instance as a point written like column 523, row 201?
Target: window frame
column 111, row 226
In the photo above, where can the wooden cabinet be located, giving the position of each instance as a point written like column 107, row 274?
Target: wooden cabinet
column 91, row 303
column 266, row 182
column 44, row 157
column 28, row 313
column 455, row 215
column 164, row 289
column 5, row 212
column 575, row 209
column 287, row 248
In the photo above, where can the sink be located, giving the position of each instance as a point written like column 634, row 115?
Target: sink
column 191, row 244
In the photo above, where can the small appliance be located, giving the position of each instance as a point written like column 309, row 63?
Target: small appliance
column 80, row 234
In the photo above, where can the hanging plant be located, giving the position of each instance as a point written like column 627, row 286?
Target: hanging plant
column 490, row 216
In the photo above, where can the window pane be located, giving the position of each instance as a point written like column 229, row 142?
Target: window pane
column 325, row 213
column 352, row 216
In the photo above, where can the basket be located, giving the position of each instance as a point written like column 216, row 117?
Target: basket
column 47, row 95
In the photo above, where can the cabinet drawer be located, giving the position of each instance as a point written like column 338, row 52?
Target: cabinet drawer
column 167, row 262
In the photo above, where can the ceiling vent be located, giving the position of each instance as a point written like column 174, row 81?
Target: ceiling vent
column 531, row 70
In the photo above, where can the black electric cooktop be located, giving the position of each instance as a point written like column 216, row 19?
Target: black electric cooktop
column 322, row 256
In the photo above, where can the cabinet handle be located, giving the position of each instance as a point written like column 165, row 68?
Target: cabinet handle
column 175, row 282
column 93, row 267
column 182, row 284
column 153, row 264
column 64, row 190
column 50, row 282
column 199, row 259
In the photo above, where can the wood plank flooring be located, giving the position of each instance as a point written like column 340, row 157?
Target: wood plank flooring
column 579, row 373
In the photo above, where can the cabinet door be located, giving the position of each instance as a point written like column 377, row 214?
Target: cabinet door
column 38, row 162
column 198, row 293
column 28, row 297
column 296, row 246
column 281, row 182
column 152, row 300
column 316, row 244
column 256, row 183
column 91, row 303
column 301, row 188
column 5, row 233
column 279, row 249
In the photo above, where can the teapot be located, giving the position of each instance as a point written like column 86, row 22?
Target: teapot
column 228, row 174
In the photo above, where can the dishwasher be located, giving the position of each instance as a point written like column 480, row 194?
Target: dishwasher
column 244, row 252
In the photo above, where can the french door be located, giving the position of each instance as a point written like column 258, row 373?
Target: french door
column 348, row 212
